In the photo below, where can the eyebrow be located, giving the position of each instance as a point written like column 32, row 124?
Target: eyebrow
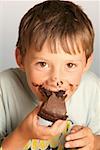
column 40, row 58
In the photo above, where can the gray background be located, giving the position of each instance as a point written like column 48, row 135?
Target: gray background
column 10, row 15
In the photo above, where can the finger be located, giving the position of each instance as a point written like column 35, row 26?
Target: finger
column 34, row 115
column 44, row 131
column 76, row 128
column 58, row 126
column 77, row 143
column 55, row 129
column 84, row 148
column 35, row 110
column 77, row 135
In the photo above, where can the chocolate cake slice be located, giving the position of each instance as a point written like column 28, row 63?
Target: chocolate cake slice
column 54, row 108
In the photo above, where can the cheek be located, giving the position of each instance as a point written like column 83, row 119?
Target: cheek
column 75, row 78
column 74, row 82
column 33, row 77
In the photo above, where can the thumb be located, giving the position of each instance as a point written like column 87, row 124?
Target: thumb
column 59, row 126
column 35, row 111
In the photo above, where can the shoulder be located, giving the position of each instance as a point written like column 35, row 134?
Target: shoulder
column 13, row 81
column 90, row 76
column 90, row 81
column 86, row 102
column 89, row 88
column 11, row 75
column 11, row 78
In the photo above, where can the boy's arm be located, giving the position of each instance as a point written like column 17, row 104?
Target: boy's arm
column 30, row 129
column 14, row 141
column 22, row 134
column 97, row 142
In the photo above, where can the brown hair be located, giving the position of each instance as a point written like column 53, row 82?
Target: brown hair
column 52, row 20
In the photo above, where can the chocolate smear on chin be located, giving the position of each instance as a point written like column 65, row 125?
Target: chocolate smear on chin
column 54, row 107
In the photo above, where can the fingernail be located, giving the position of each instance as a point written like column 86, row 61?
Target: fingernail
column 67, row 138
column 67, row 145
column 73, row 131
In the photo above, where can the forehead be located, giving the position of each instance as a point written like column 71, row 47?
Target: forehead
column 52, row 52
column 67, row 45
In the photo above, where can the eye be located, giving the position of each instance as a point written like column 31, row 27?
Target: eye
column 70, row 65
column 42, row 64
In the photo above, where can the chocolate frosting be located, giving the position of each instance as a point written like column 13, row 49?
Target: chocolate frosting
column 54, row 108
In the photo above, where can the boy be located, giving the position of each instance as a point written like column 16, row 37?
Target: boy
column 54, row 47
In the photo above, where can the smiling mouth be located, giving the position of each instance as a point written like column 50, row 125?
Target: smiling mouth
column 47, row 93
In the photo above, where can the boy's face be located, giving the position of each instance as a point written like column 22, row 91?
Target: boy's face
column 53, row 71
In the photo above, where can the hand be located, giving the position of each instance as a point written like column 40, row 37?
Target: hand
column 31, row 129
column 81, row 138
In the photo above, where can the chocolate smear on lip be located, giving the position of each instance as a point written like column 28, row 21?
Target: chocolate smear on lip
column 34, row 84
column 41, row 89
column 46, row 93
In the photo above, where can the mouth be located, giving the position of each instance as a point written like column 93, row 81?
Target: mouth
column 47, row 93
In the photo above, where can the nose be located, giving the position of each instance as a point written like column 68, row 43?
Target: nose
column 59, row 83
column 55, row 78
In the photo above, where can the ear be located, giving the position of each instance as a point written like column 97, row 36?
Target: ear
column 89, row 62
column 19, row 59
